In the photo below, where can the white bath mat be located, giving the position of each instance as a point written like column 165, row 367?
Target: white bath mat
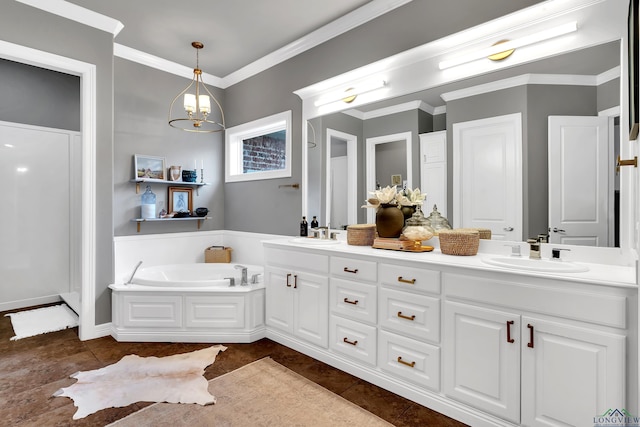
column 42, row 320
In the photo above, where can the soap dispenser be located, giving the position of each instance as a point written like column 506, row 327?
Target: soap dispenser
column 148, row 204
column 314, row 222
column 304, row 227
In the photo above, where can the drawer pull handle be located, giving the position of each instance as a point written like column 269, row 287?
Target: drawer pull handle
column 530, row 343
column 409, row 281
column 346, row 270
column 351, row 302
column 295, row 281
column 509, row 339
column 411, row 365
column 402, row 316
column 288, row 275
column 350, row 342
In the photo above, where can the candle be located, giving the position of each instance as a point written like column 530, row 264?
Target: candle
column 201, row 164
column 195, row 164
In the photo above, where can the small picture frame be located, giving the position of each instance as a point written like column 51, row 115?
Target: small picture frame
column 180, row 199
column 149, row 167
column 396, row 179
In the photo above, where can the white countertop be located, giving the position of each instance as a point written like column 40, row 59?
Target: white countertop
column 599, row 274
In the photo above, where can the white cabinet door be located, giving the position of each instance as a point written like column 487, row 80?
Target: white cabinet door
column 570, row 375
column 279, row 299
column 481, row 365
column 433, row 170
column 311, row 308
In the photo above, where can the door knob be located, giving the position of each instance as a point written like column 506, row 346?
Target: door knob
column 557, row 230
column 508, row 229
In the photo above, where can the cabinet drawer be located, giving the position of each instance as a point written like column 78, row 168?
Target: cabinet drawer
column 353, row 339
column 417, row 316
column 409, row 359
column 296, row 260
column 353, row 268
column 353, row 300
column 409, row 278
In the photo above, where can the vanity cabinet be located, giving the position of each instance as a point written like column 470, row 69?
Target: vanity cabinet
column 530, row 368
column 297, row 300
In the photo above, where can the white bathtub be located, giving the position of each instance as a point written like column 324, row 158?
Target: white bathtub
column 212, row 275
column 189, row 303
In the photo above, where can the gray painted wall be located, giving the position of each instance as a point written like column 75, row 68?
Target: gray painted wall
column 270, row 92
column 142, row 98
column 39, row 97
column 391, row 159
column 33, row 28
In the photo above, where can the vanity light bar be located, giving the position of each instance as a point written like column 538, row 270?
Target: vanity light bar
column 511, row 44
column 350, row 92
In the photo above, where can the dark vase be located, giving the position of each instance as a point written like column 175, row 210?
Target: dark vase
column 389, row 221
column 408, row 211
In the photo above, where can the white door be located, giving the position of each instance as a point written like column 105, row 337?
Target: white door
column 339, row 200
column 579, row 169
column 433, row 171
column 487, row 175
column 311, row 308
column 482, row 358
column 570, row 375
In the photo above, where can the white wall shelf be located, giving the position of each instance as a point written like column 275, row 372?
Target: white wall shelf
column 139, row 221
column 139, row 181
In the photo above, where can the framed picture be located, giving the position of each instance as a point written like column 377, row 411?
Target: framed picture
column 149, row 167
column 180, row 199
column 396, row 179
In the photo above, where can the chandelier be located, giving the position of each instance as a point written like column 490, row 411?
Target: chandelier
column 196, row 113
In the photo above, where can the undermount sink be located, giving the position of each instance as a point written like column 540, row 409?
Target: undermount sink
column 545, row 265
column 313, row 241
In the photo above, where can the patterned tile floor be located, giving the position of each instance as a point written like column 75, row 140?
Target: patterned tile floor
column 32, row 369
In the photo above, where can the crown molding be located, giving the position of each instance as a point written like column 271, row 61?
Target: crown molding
column 77, row 13
column 333, row 29
column 156, row 62
column 608, row 75
column 398, row 108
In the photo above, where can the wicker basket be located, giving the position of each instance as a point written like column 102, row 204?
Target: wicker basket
column 484, row 233
column 361, row 234
column 459, row 241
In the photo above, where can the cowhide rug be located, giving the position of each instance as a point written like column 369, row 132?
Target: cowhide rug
column 174, row 379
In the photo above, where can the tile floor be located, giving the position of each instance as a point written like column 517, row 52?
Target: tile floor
column 32, row 369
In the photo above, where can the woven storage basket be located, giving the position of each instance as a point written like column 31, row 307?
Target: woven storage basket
column 484, row 233
column 361, row 234
column 459, row 241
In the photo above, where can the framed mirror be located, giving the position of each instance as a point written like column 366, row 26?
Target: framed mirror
column 585, row 75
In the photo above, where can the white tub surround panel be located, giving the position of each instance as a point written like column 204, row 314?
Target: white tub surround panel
column 485, row 345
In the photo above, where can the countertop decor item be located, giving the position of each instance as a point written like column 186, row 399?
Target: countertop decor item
column 389, row 220
column 459, row 241
column 437, row 221
column 417, row 228
column 361, row 234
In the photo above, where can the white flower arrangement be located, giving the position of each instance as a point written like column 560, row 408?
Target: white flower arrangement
column 391, row 196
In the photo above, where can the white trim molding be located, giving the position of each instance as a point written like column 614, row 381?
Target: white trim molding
column 87, row 73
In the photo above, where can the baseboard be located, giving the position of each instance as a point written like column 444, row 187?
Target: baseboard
column 30, row 302
column 210, row 336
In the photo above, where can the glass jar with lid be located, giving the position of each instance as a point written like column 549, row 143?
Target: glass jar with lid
column 437, row 221
column 417, row 228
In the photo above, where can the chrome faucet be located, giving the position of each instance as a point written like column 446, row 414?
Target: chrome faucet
column 134, row 273
column 534, row 250
column 243, row 281
column 321, row 232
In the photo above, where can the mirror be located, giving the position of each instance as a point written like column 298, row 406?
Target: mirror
column 593, row 90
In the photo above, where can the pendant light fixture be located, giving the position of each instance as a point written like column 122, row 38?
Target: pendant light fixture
column 195, row 116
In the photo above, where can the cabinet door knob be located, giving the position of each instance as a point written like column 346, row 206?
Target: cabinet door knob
column 509, row 339
column 530, row 343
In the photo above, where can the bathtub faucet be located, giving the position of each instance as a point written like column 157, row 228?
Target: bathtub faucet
column 243, row 281
column 134, row 273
